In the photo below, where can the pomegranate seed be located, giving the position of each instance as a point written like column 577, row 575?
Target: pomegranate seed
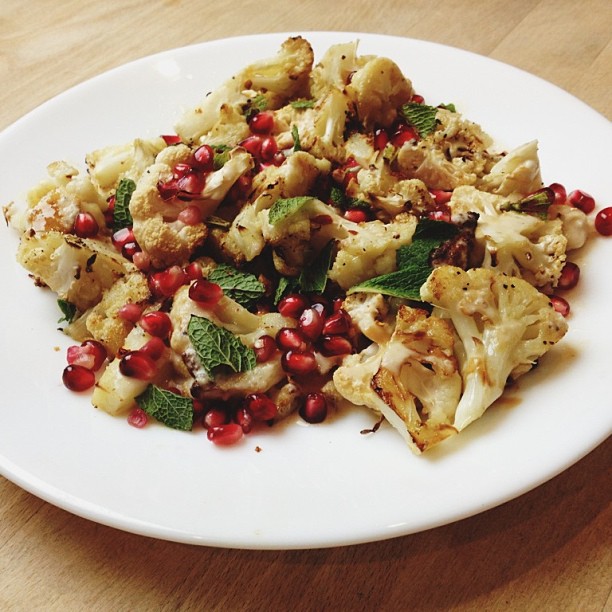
column 191, row 185
column 582, row 200
column 560, row 193
column 193, row 271
column 171, row 139
column 225, row 435
column 381, row 139
column 560, row 305
column 569, row 276
column 269, row 148
column 260, row 406
column 153, row 348
column 181, row 170
column 289, row 338
column 205, row 293
column 137, row 364
column 337, row 324
column 403, row 134
column 253, row 145
column 314, row 409
column 264, row 348
column 245, row 419
column 167, row 282
column 350, row 168
column 91, row 354
column 356, row 215
column 441, row 197
column 278, row 159
column 130, row 312
column 138, row 418
column 122, row 237
column 337, row 304
column 321, row 304
column 299, row 362
column 191, row 215
column 156, row 323
column 331, row 346
column 321, row 220
column 78, row 378
column 311, row 323
column 417, row 99
column 293, row 305
column 142, row 261
column 109, row 213
column 85, row 225
column 603, row 221
column 262, row 123
column 129, row 249
column 168, row 190
column 440, row 215
column 204, row 158
column 215, row 417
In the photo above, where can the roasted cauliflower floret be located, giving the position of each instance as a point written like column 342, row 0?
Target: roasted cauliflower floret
column 504, row 325
column 371, row 314
column 335, row 68
column 517, row 244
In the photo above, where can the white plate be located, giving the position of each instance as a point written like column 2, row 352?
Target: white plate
column 310, row 486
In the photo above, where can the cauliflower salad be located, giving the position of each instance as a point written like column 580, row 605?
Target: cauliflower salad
column 314, row 235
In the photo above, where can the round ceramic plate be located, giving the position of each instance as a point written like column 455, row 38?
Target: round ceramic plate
column 306, row 486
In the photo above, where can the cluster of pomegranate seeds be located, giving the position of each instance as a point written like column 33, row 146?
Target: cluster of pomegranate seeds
column 84, row 361
column 397, row 135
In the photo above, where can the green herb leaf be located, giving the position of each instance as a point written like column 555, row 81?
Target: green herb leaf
column 121, row 213
column 221, row 155
column 314, row 278
column 412, row 262
column 215, row 346
column 169, row 408
column 421, row 117
column 536, row 203
column 296, row 138
column 285, row 207
column 337, row 197
column 242, row 287
column 68, row 309
column 285, row 285
column 302, row 103
column 256, row 104
column 449, row 107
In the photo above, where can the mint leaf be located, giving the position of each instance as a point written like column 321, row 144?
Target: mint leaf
column 121, row 213
column 215, row 346
column 221, row 155
column 314, row 278
column 169, row 408
column 421, row 117
column 285, row 207
column 449, row 107
column 255, row 105
column 296, row 138
column 337, row 196
column 285, row 285
column 536, row 203
column 412, row 262
column 68, row 310
column 302, row 103
column 242, row 287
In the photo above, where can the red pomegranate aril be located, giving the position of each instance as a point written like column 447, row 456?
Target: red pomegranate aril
column 205, row 293
column 193, row 271
column 262, row 123
column 168, row 189
column 440, row 215
column 321, row 220
column 582, row 200
column 167, row 282
column 293, row 305
column 350, row 169
column 215, row 417
column 560, row 193
column 204, row 158
column 130, row 312
column 138, row 418
column 121, row 237
column 560, row 304
column 253, row 145
column 603, row 221
column 260, row 406
column 440, row 196
column 109, row 213
column 290, row 338
column 264, row 347
column 356, row 215
column 85, row 225
column 570, row 275
column 181, row 169
column 129, row 249
column 91, row 354
column 78, row 378
column 311, row 323
column 136, row 364
column 417, row 99
column 142, row 261
column 403, row 134
column 225, row 435
column 314, row 409
column 190, row 215
column 331, row 346
column 299, row 362
column 269, row 148
column 191, row 185
column 381, row 139
column 153, row 348
column 156, row 323
column 337, row 324
column 171, row 139
column 245, row 419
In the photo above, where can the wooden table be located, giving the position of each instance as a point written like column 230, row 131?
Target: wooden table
column 547, row 550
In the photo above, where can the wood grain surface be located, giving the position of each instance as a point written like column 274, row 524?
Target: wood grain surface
column 550, row 549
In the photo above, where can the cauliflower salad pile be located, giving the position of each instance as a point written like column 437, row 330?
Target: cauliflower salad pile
column 313, row 235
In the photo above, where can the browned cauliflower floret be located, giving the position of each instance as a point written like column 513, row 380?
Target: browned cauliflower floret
column 335, row 68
